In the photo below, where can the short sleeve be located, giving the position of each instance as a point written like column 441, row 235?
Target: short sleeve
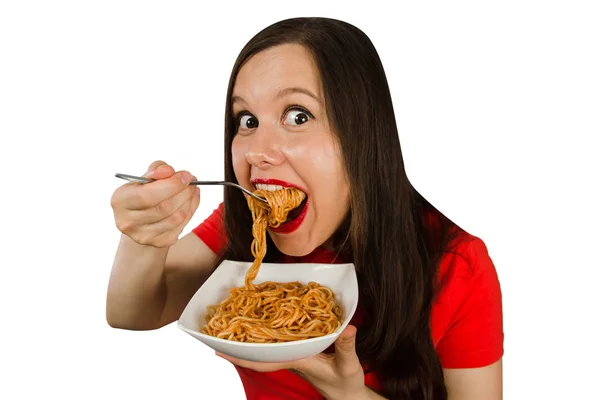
column 474, row 337
column 212, row 231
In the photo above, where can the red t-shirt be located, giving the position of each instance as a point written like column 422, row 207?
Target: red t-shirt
column 466, row 319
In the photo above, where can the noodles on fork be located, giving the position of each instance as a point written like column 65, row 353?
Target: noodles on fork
column 273, row 312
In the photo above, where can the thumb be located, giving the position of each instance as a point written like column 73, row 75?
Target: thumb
column 345, row 345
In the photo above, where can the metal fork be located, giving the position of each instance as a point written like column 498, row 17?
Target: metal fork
column 141, row 179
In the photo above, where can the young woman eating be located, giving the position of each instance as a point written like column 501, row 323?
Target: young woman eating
column 308, row 106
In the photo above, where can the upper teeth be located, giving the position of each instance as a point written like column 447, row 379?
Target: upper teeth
column 270, row 188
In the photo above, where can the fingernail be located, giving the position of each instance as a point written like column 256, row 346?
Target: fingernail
column 197, row 190
column 186, row 177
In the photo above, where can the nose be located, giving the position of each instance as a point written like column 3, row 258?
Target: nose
column 264, row 148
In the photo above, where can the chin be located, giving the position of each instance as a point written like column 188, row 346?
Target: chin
column 292, row 249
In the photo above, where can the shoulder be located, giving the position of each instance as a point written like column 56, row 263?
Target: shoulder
column 212, row 230
column 467, row 324
column 465, row 260
column 465, row 257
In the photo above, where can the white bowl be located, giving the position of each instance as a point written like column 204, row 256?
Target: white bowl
column 340, row 278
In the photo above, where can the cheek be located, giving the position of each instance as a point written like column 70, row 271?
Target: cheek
column 333, row 183
column 326, row 160
column 319, row 163
column 332, row 160
column 317, row 152
column 238, row 159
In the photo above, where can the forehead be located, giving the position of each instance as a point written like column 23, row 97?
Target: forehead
column 277, row 68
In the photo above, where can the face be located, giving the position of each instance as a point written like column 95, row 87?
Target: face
column 284, row 139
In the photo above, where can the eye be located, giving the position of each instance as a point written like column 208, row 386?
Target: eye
column 247, row 121
column 297, row 116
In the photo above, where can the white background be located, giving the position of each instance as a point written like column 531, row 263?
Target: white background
column 498, row 111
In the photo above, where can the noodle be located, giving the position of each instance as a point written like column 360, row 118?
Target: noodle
column 272, row 312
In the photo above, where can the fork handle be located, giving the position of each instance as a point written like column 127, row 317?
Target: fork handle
column 225, row 183
column 209, row 183
column 141, row 179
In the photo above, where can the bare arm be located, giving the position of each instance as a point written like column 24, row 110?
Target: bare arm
column 149, row 287
column 468, row 383
column 475, row 383
column 189, row 263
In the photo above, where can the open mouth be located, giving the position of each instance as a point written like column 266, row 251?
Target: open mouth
column 295, row 216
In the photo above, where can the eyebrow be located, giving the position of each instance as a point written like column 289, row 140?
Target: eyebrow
column 282, row 93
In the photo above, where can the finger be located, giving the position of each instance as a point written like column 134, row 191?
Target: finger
column 158, row 170
column 143, row 196
column 195, row 201
column 316, row 367
column 171, row 222
column 345, row 351
column 164, row 208
column 170, row 237
column 194, row 205
column 162, row 172
column 256, row 366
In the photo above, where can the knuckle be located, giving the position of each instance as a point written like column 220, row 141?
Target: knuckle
column 119, row 225
column 124, row 225
column 138, row 198
column 146, row 239
column 158, row 244
column 172, row 239
column 164, row 207
column 194, row 205
column 166, row 240
column 182, row 178
column 118, row 198
column 140, row 240
column 149, row 239
column 177, row 217
column 114, row 201
column 156, row 164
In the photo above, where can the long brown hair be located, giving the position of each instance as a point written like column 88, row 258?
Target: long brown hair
column 396, row 255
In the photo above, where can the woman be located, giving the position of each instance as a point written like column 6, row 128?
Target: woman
column 308, row 105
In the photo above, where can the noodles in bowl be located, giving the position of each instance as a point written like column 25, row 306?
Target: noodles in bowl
column 272, row 321
column 273, row 312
